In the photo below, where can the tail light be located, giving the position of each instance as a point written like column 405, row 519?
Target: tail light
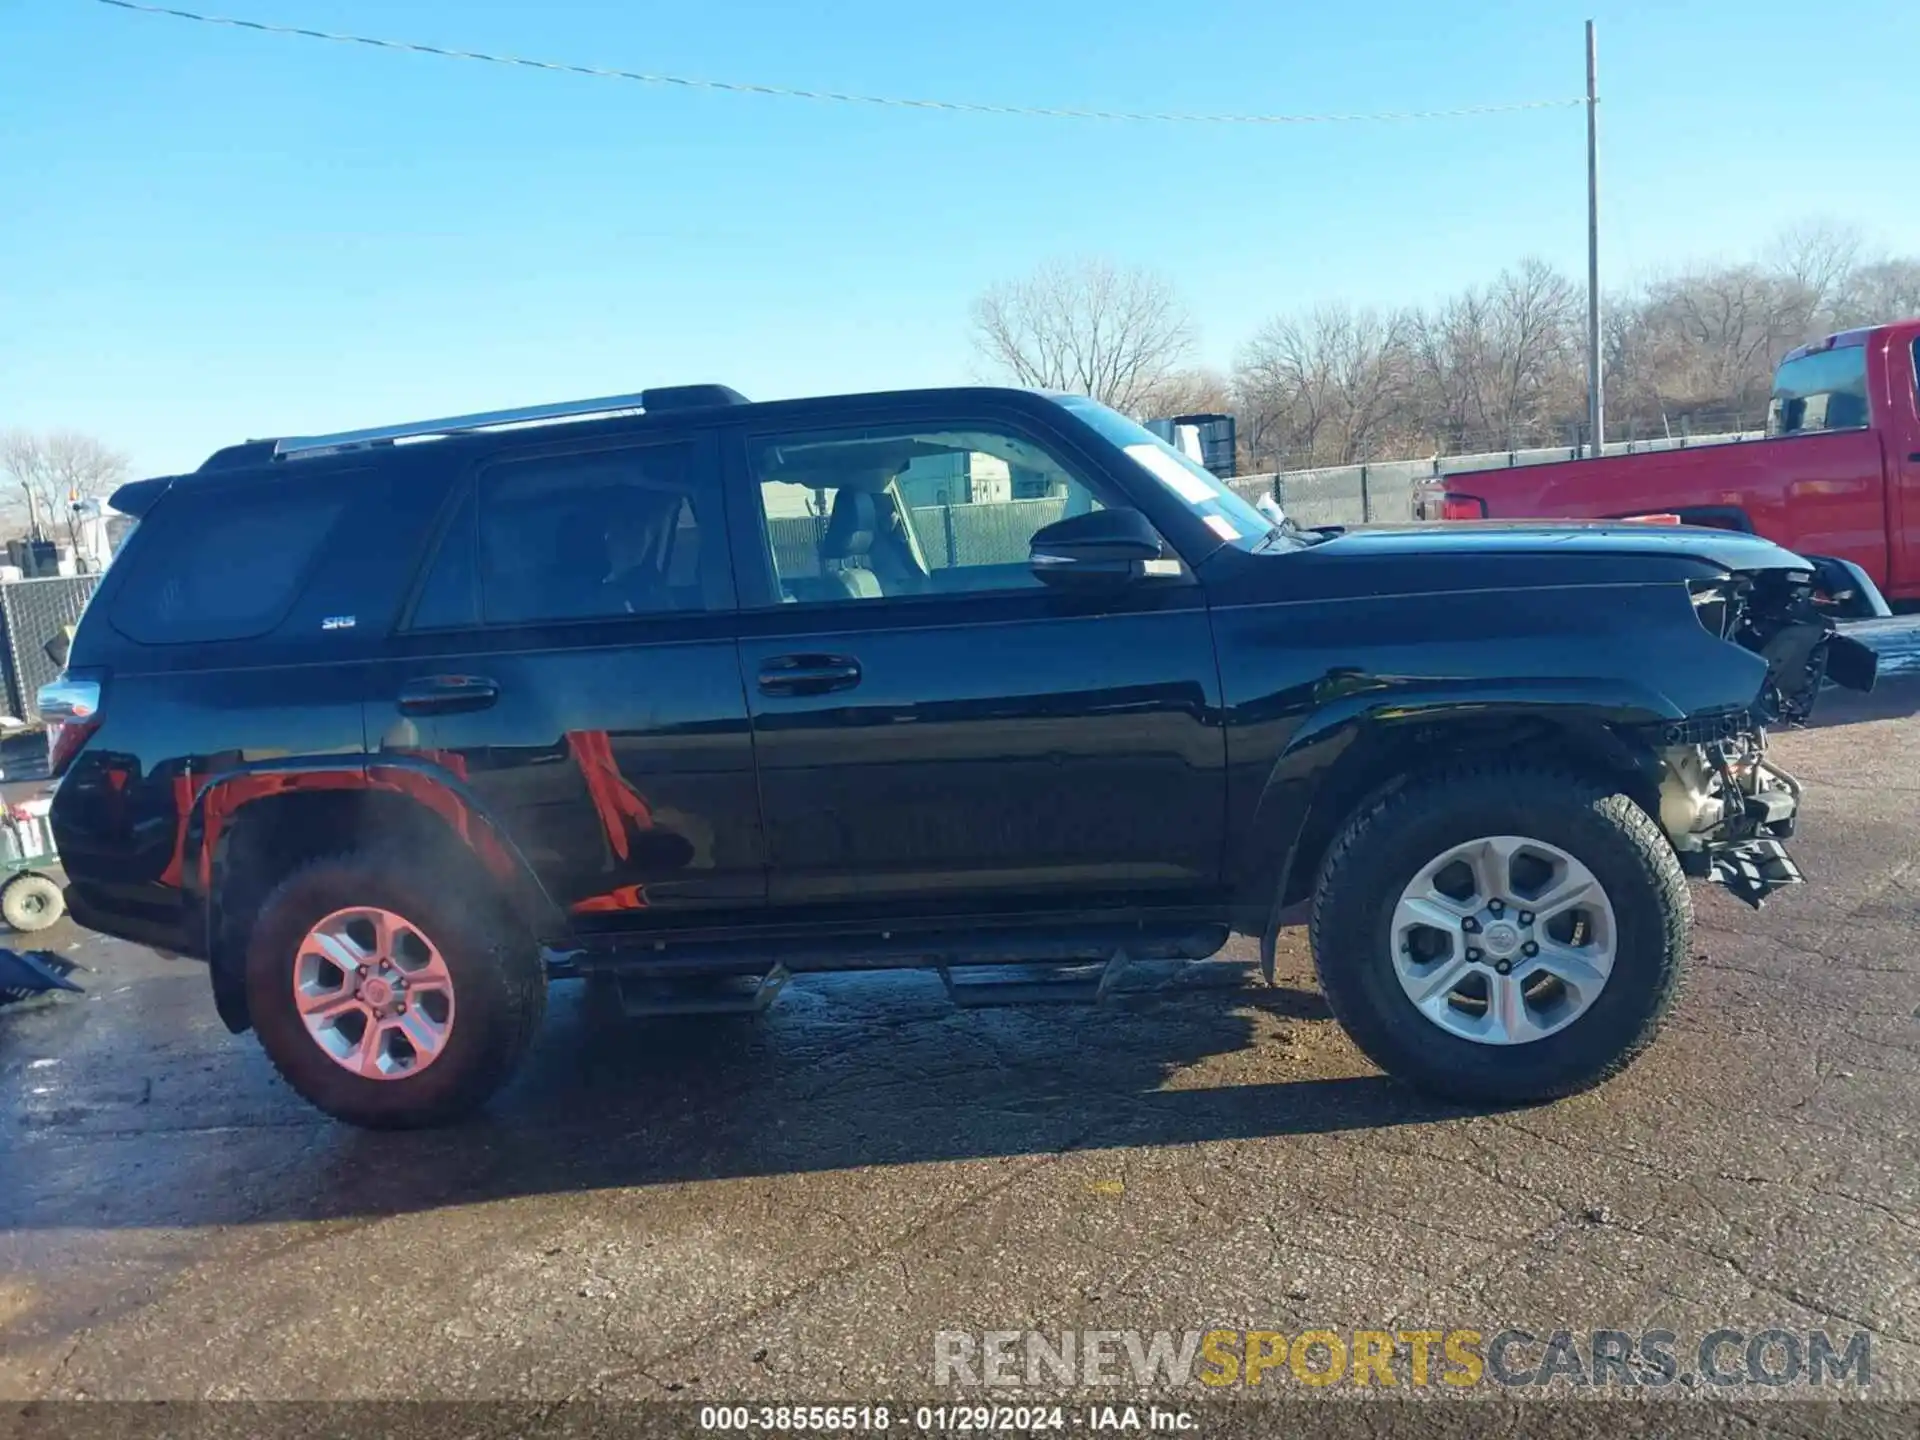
column 1431, row 502
column 1662, row 519
column 70, row 708
column 1462, row 507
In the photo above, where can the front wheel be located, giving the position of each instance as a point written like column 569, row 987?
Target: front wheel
column 1501, row 933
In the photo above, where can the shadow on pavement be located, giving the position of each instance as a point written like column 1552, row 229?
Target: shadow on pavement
column 1891, row 700
column 847, row 1072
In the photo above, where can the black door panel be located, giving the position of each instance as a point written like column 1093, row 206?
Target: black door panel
column 1007, row 761
column 623, row 771
column 600, row 719
column 933, row 726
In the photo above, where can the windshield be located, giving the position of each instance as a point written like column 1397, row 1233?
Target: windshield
column 1231, row 518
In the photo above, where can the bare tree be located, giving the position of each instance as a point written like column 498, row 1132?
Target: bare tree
column 1188, row 392
column 1086, row 326
column 1883, row 291
column 1819, row 262
column 1497, row 367
column 1707, row 340
column 1502, row 365
column 1327, row 388
column 52, row 470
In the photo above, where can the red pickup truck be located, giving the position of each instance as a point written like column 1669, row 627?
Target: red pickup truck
column 1838, row 474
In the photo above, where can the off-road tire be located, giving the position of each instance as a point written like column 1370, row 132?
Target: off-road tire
column 30, row 902
column 1391, row 837
column 499, row 982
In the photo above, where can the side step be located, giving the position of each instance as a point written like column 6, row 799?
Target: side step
column 1043, row 983
column 1059, row 984
column 640, row 996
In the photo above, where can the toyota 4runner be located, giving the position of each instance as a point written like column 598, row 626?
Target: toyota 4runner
column 685, row 695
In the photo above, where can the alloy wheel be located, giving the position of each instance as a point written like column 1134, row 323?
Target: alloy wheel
column 374, row 993
column 1503, row 940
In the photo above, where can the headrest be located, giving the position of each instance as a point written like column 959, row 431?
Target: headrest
column 851, row 528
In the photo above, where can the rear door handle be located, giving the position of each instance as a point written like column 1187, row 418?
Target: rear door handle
column 447, row 694
column 808, row 674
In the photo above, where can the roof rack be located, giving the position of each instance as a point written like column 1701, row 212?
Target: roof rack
column 673, row 397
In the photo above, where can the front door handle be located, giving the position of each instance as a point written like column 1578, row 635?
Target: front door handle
column 808, row 674
column 447, row 694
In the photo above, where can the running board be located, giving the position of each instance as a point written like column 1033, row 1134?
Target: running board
column 733, row 995
column 1071, row 940
column 1067, row 985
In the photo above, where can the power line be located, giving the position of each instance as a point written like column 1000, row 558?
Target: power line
column 834, row 96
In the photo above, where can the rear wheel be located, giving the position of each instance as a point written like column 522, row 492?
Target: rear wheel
column 1502, row 933
column 384, row 996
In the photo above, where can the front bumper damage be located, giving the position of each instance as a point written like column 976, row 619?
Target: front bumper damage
column 1727, row 809
column 1725, row 806
column 1751, row 870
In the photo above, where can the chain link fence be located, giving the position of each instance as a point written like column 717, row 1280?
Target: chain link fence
column 32, row 612
column 979, row 533
column 982, row 534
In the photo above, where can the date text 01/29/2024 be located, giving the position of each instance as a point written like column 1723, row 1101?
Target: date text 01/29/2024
column 943, row 1419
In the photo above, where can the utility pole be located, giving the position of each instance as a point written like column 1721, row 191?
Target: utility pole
column 1596, row 383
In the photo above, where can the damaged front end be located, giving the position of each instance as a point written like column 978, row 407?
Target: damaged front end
column 1725, row 806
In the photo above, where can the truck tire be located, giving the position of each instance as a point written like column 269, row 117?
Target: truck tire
column 30, row 902
column 1501, row 933
column 387, row 997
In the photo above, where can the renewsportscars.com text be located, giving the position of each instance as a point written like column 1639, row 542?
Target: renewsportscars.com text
column 1458, row 1358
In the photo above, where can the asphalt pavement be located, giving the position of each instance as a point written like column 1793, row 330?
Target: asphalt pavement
column 795, row 1207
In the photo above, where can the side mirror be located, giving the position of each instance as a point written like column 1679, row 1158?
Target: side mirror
column 1103, row 549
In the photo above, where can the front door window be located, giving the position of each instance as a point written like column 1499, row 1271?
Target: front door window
column 896, row 512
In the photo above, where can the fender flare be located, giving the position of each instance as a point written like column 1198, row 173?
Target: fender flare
column 1341, row 732
column 421, row 778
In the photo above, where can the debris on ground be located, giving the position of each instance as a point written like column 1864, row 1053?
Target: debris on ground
column 24, row 974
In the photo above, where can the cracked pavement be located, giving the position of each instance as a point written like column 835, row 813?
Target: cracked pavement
column 789, row 1208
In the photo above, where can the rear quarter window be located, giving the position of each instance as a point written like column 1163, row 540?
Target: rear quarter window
column 1821, row 391
column 221, row 564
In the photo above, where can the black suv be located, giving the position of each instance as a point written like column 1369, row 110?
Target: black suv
column 684, row 695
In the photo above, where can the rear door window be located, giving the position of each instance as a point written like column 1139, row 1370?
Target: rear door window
column 215, row 564
column 583, row 535
column 450, row 597
column 1820, row 391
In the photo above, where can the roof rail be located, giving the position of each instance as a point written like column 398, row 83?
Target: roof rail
column 677, row 397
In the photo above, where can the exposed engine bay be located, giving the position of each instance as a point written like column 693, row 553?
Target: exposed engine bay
column 1725, row 807
column 1787, row 618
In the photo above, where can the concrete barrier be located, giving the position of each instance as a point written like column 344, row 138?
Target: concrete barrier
column 1382, row 492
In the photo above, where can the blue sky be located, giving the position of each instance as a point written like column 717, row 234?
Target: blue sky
column 211, row 234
